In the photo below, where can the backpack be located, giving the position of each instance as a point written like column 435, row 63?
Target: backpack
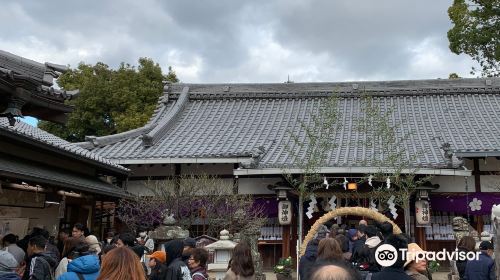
column 51, row 271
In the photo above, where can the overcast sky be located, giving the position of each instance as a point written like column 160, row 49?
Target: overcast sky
column 219, row 41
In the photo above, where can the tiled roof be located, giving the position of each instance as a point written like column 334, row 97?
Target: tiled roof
column 34, row 76
column 35, row 134
column 234, row 120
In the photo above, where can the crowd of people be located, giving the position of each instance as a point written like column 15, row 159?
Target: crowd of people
column 341, row 254
column 80, row 256
column 334, row 254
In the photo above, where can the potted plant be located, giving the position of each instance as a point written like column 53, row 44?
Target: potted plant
column 433, row 266
column 283, row 269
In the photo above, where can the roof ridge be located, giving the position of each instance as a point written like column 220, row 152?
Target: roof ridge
column 161, row 103
column 36, row 134
column 341, row 93
column 164, row 124
column 92, row 142
column 355, row 86
column 100, row 141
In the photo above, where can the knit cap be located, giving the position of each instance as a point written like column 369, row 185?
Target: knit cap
column 7, row 261
column 93, row 243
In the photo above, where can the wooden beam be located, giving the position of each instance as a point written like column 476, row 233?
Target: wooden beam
column 420, row 237
column 477, row 175
column 235, row 181
column 285, row 247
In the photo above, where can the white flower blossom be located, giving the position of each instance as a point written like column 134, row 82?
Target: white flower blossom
column 475, row 204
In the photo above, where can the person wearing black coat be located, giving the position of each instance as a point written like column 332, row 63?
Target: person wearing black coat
column 358, row 244
column 176, row 268
column 157, row 265
column 466, row 244
column 484, row 267
column 396, row 271
column 39, row 265
column 308, row 260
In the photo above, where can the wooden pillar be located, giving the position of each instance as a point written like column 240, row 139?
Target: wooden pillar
column 92, row 215
column 480, row 224
column 294, row 237
column 477, row 175
column 420, row 237
column 177, row 187
column 477, row 184
column 235, row 181
column 285, row 247
column 101, row 233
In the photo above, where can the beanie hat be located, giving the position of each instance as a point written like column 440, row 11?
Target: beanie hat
column 371, row 231
column 322, row 232
column 485, row 245
column 94, row 245
column 159, row 255
column 190, row 242
column 352, row 232
column 7, row 261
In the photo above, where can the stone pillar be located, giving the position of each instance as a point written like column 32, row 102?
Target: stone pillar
column 252, row 239
column 222, row 251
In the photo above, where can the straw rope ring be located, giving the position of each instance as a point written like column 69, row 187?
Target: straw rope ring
column 354, row 211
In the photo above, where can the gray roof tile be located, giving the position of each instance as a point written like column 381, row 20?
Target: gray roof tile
column 39, row 76
column 233, row 120
column 33, row 133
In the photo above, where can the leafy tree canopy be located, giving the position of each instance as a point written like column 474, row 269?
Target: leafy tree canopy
column 111, row 100
column 454, row 76
column 476, row 32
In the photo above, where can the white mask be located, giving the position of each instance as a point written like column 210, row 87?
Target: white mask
column 142, row 234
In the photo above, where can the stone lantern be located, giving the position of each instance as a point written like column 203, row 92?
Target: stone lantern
column 222, row 252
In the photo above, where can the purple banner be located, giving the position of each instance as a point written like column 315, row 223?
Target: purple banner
column 270, row 206
column 481, row 203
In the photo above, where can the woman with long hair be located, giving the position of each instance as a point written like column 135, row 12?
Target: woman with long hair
column 121, row 264
column 329, row 250
column 70, row 244
column 241, row 264
column 466, row 244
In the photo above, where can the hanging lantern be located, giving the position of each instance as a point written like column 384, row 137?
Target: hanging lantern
column 285, row 212
column 422, row 212
column 352, row 186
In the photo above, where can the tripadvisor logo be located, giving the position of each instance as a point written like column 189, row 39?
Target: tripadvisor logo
column 386, row 255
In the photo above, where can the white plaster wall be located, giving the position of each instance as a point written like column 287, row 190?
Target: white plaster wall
column 140, row 187
column 453, row 183
column 256, row 185
column 151, row 170
column 485, row 164
column 143, row 187
column 489, row 183
column 186, row 169
column 489, row 164
column 38, row 217
column 207, row 168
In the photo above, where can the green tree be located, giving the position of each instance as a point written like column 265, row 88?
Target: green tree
column 453, row 76
column 110, row 100
column 312, row 151
column 476, row 32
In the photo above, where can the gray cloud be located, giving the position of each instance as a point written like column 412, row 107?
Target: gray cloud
column 241, row 41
